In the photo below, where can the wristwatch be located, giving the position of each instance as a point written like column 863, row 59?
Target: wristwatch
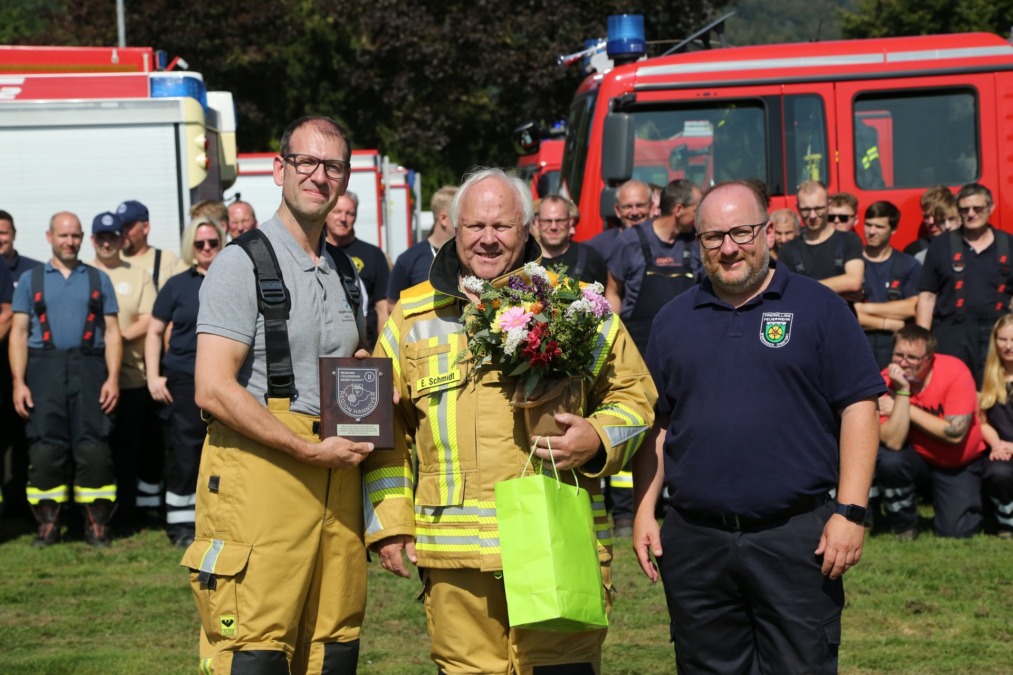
column 853, row 512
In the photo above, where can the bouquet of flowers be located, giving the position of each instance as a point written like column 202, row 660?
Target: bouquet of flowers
column 539, row 325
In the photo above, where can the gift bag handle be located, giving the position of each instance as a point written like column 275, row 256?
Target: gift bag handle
column 555, row 471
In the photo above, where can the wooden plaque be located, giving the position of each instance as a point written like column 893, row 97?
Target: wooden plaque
column 356, row 400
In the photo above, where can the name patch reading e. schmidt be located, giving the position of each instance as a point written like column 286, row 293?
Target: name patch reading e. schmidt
column 775, row 329
column 438, row 380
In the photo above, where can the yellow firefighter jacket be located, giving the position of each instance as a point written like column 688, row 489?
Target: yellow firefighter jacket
column 469, row 437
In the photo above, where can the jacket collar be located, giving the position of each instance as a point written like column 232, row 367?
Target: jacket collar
column 446, row 268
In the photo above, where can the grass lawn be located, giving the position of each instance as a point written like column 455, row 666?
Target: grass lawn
column 928, row 606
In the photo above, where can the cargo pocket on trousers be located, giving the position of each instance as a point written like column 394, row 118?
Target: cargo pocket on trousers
column 832, row 631
column 216, row 569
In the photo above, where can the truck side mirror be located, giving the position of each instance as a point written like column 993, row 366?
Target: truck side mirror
column 607, row 203
column 527, row 138
column 617, row 141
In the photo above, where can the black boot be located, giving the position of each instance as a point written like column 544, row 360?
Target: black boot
column 97, row 516
column 47, row 513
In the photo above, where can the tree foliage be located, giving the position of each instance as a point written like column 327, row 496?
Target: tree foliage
column 882, row 18
column 437, row 86
column 758, row 22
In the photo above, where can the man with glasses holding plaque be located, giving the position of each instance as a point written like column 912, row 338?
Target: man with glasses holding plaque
column 278, row 565
column 753, row 548
column 929, row 434
column 966, row 281
column 823, row 253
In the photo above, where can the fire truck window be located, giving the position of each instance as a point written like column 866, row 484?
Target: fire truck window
column 575, row 150
column 916, row 139
column 705, row 144
column 805, row 135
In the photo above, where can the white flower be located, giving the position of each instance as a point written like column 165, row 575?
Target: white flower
column 596, row 287
column 473, row 284
column 583, row 306
column 514, row 338
column 535, row 270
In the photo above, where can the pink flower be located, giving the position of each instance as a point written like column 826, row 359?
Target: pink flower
column 599, row 305
column 513, row 318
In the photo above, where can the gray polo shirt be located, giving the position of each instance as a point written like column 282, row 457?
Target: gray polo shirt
column 321, row 322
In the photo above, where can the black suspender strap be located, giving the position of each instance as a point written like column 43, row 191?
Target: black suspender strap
column 838, row 253
column 156, row 271
column 350, row 282
column 94, row 307
column 274, row 304
column 644, row 246
column 893, row 290
column 958, row 264
column 795, row 253
column 157, row 268
column 1002, row 254
column 39, row 299
column 578, row 269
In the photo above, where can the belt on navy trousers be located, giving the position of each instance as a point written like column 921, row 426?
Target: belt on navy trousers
column 738, row 523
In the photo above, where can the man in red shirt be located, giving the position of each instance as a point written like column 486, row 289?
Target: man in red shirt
column 929, row 434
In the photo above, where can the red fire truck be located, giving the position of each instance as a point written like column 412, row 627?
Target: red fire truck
column 85, row 128
column 880, row 118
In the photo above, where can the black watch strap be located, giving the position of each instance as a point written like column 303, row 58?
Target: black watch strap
column 853, row 512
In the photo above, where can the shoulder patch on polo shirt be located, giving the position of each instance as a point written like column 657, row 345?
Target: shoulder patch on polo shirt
column 775, row 329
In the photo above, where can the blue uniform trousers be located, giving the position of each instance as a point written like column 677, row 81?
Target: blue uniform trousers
column 751, row 601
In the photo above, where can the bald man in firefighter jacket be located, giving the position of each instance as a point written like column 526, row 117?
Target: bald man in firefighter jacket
column 469, row 438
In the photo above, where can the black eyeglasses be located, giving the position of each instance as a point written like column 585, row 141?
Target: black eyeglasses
column 840, row 217
column 335, row 169
column 816, row 210
column 741, row 234
column 910, row 358
column 199, row 244
column 967, row 210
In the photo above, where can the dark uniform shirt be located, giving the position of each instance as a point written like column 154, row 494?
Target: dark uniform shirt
column 819, row 261
column 879, row 276
column 19, row 264
column 605, row 242
column 410, row 268
column 178, row 303
column 371, row 263
column 981, row 278
column 6, row 286
column 593, row 268
column 726, row 378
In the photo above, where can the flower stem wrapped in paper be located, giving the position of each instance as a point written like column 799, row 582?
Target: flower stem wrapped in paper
column 541, row 327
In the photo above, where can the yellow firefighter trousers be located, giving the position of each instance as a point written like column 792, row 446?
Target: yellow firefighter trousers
column 278, row 563
column 470, row 632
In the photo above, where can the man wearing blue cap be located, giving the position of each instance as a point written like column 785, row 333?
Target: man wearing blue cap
column 160, row 264
column 138, row 461
column 65, row 361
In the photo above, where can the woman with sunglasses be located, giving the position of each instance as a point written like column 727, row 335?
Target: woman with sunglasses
column 997, row 424
column 170, row 379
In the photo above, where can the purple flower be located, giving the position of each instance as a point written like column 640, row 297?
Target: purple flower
column 599, row 305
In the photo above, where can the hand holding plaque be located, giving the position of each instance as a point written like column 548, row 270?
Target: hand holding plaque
column 356, row 400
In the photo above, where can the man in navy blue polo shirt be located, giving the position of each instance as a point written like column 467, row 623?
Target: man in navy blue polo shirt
column 754, row 548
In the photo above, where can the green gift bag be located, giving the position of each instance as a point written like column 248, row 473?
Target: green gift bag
column 550, row 557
